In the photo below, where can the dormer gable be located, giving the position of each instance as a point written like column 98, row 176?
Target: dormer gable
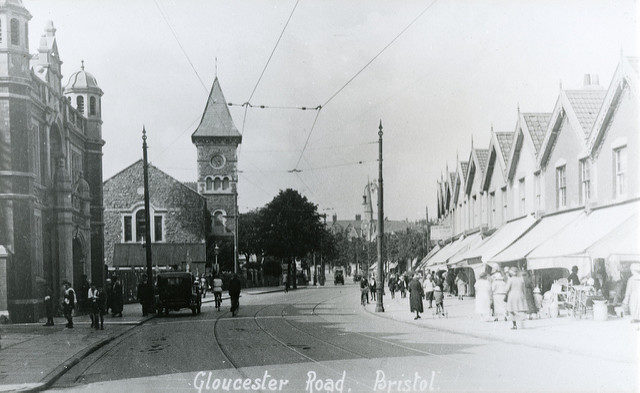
column 477, row 165
column 530, row 130
column 499, row 148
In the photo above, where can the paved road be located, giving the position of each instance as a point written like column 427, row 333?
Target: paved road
column 320, row 339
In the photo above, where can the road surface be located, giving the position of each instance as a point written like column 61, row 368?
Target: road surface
column 320, row 339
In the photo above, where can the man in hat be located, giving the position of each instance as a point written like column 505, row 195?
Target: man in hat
column 573, row 277
column 117, row 298
column 68, row 303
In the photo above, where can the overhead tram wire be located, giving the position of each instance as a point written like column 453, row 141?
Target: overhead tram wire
column 414, row 20
column 175, row 36
column 264, row 69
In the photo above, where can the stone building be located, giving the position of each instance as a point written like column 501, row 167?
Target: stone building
column 177, row 215
column 50, row 167
column 217, row 140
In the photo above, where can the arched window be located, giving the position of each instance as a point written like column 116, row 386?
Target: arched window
column 209, row 184
column 218, row 218
column 80, row 103
column 225, row 183
column 15, row 32
column 141, row 225
column 217, row 183
column 92, row 106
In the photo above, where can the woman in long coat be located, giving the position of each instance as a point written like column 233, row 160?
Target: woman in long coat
column 632, row 294
column 415, row 296
column 499, row 290
column 516, row 300
column 483, row 297
column 528, row 292
column 461, row 282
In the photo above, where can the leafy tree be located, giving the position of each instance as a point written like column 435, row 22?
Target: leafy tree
column 290, row 228
column 249, row 237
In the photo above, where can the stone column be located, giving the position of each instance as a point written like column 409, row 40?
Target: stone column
column 4, row 303
column 64, row 223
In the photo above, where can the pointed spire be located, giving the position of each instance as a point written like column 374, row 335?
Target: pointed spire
column 216, row 120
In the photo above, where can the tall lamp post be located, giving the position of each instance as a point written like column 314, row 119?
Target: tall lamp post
column 147, row 216
column 380, row 280
column 216, row 251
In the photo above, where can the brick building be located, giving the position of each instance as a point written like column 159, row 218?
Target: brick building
column 50, row 167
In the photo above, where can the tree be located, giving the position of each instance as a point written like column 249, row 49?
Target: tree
column 290, row 227
column 249, row 237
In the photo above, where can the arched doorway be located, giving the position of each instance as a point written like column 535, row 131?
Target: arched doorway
column 79, row 257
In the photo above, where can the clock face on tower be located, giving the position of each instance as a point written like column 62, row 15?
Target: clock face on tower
column 217, row 161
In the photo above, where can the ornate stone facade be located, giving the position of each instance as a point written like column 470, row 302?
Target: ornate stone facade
column 50, row 167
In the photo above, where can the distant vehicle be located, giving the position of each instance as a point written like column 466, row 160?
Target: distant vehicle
column 175, row 291
column 338, row 276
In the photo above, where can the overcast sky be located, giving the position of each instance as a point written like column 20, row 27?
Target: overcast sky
column 463, row 66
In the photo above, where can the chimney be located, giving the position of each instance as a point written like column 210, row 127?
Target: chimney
column 358, row 217
column 591, row 80
column 334, row 218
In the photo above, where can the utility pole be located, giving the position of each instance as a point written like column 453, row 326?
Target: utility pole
column 147, row 215
column 380, row 280
column 235, row 232
column 322, row 277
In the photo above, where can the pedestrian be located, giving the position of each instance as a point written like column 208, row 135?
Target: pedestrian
column 217, row 291
column 108, row 289
column 68, row 303
column 391, row 283
column 48, row 306
column 402, row 287
column 234, row 293
column 145, row 295
column 203, row 285
column 461, row 284
column 483, row 297
column 83, row 304
column 93, row 305
column 427, row 285
column 573, row 277
column 101, row 303
column 117, row 298
column 532, row 309
column 632, row 293
column 372, row 287
column 515, row 297
column 364, row 292
column 415, row 296
column 438, row 297
column 286, row 284
column 451, row 282
column 499, row 290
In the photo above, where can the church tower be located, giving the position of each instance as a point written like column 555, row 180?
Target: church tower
column 217, row 140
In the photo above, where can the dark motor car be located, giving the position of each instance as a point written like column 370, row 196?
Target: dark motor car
column 338, row 276
column 175, row 291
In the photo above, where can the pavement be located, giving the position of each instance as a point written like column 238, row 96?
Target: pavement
column 614, row 339
column 33, row 356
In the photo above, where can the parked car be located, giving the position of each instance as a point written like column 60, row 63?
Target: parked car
column 177, row 290
column 338, row 276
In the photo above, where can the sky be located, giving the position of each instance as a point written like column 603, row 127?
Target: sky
column 461, row 68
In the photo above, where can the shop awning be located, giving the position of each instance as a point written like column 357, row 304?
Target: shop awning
column 545, row 228
column 623, row 242
column 446, row 252
column 466, row 244
column 501, row 239
column 431, row 253
column 162, row 254
column 569, row 246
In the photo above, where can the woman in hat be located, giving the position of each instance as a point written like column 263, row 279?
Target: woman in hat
column 483, row 297
column 499, row 289
column 415, row 296
column 632, row 294
column 515, row 297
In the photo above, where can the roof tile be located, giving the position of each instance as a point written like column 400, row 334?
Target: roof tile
column 216, row 120
column 586, row 105
column 537, row 125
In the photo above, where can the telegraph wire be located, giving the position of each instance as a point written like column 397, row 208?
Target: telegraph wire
column 362, row 69
column 306, row 142
column 175, row 35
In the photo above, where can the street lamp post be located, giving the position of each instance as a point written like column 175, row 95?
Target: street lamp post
column 216, row 251
column 380, row 280
column 147, row 216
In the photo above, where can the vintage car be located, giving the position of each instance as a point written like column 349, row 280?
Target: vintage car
column 175, row 291
column 338, row 276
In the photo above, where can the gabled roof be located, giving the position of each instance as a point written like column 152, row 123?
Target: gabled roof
column 625, row 76
column 504, row 143
column 537, row 126
column 461, row 174
column 216, row 119
column 464, row 166
column 586, row 105
column 483, row 157
column 478, row 158
column 580, row 108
